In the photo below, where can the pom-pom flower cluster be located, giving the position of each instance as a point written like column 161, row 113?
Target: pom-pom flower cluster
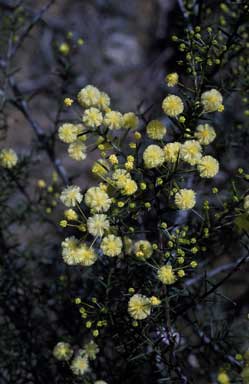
column 141, row 173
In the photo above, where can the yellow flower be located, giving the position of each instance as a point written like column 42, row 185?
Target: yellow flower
column 8, row 158
column 111, row 245
column 85, row 256
column 41, row 183
column 130, row 120
column 153, row 156
column 69, row 246
column 191, row 152
column 205, row 134
column 64, row 49
column 143, row 249
column 63, row 351
column 113, row 120
column 103, row 101
column 129, row 165
column 155, row 301
column 223, row 378
column 88, row 96
column 172, row 105
column 211, row 101
column 181, row 273
column 130, row 187
column 185, row 199
column 97, row 199
column 137, row 135
column 68, row 102
column 92, row 117
column 172, row 79
column 77, row 150
column 79, row 365
column 113, row 159
column 91, row 350
column 139, row 307
column 71, row 195
column 120, row 176
column 70, row 215
column 156, row 130
column 208, row 167
column 172, row 152
column 98, row 224
column 166, row 274
column 68, row 133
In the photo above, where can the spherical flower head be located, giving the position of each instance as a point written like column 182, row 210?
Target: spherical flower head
column 71, row 195
column 185, row 199
column 69, row 248
column 85, row 256
column 111, row 245
column 92, row 117
column 246, row 203
column 77, row 150
column 205, row 134
column 68, row 102
column 156, row 130
column 130, row 120
column 172, row 105
column 129, row 188
column 70, row 243
column 120, row 176
column 91, row 350
column 172, row 152
column 100, row 167
column 155, row 301
column 223, row 378
column 97, row 200
column 139, row 307
column 143, row 249
column 172, row 79
column 70, row 215
column 113, row 159
column 211, row 100
column 113, row 120
column 208, row 167
column 68, row 133
column 8, row 158
column 88, row 96
column 191, row 152
column 79, row 365
column 153, row 156
column 64, row 49
column 103, row 101
column 98, row 224
column 63, row 351
column 166, row 275
column 41, row 183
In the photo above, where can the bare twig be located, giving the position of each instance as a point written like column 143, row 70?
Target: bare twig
column 33, row 22
column 23, row 107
